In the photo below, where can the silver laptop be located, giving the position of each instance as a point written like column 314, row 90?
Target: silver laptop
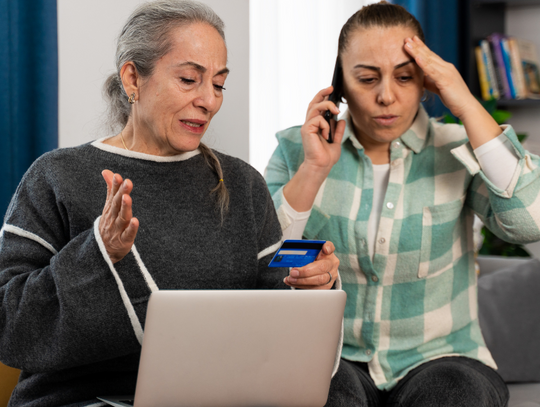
column 268, row 348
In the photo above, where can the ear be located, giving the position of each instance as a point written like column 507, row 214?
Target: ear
column 130, row 79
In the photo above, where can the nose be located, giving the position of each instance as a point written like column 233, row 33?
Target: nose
column 206, row 97
column 386, row 95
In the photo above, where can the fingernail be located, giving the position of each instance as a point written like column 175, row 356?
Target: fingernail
column 124, row 184
column 294, row 273
column 408, row 45
column 292, row 280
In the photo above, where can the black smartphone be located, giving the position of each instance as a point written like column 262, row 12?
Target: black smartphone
column 335, row 96
column 297, row 253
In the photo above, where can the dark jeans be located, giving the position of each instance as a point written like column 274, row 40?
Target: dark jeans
column 449, row 381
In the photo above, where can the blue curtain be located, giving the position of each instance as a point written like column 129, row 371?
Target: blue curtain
column 439, row 20
column 28, row 88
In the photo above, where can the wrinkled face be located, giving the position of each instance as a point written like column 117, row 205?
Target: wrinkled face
column 177, row 102
column 382, row 84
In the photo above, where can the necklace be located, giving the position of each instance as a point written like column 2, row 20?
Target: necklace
column 123, row 142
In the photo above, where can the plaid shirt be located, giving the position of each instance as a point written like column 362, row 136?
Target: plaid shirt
column 417, row 299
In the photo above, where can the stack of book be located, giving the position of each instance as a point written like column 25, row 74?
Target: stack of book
column 508, row 68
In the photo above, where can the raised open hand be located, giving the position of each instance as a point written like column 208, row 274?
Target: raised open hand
column 117, row 225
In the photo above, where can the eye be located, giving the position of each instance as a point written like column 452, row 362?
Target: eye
column 404, row 78
column 219, row 87
column 187, row 80
column 367, row 81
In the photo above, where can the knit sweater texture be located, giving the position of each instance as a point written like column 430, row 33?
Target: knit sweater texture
column 70, row 319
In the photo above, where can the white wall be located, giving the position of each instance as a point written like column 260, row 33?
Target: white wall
column 87, row 32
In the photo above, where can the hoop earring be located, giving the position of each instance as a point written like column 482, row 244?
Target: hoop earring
column 131, row 99
column 424, row 97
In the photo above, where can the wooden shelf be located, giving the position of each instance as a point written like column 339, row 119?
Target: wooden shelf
column 508, row 2
column 509, row 103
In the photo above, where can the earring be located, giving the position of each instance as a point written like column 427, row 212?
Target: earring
column 424, row 97
column 131, row 99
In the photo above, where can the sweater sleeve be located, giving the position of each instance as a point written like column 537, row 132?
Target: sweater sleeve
column 59, row 300
column 270, row 239
column 513, row 214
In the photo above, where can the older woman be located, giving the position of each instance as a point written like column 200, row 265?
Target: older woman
column 396, row 193
column 77, row 267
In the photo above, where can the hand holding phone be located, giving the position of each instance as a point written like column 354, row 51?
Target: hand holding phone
column 335, row 96
column 297, row 253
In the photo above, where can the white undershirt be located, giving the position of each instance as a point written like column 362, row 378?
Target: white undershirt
column 496, row 158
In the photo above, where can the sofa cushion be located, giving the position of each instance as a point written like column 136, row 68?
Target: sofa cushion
column 524, row 395
column 509, row 316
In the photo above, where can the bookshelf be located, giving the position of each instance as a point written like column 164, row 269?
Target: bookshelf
column 480, row 19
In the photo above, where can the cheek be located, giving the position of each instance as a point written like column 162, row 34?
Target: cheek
column 357, row 99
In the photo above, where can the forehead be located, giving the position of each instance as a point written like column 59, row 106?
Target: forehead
column 378, row 46
column 199, row 43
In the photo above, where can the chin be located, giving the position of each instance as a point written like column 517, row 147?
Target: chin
column 186, row 143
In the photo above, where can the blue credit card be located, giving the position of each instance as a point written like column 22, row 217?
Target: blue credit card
column 297, row 253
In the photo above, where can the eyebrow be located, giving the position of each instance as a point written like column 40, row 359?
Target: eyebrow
column 376, row 68
column 201, row 68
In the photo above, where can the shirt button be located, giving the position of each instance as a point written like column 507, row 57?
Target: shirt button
column 374, row 279
column 382, row 240
column 368, row 352
column 363, row 242
column 394, row 163
column 397, row 144
column 390, row 205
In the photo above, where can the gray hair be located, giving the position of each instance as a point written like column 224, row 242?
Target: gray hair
column 143, row 41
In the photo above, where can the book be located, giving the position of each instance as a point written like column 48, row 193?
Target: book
column 521, row 88
column 485, row 86
column 510, row 75
column 500, row 69
column 490, row 68
column 531, row 67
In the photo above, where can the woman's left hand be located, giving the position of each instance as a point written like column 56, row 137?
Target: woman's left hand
column 441, row 77
column 319, row 275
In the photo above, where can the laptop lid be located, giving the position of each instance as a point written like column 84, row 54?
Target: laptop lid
column 239, row 348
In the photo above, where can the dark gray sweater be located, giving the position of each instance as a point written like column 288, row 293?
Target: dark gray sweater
column 63, row 318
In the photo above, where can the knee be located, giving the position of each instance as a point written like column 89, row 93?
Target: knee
column 451, row 384
column 346, row 388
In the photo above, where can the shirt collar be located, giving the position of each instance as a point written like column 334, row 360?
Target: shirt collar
column 414, row 138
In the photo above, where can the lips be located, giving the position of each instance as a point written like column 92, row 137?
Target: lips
column 193, row 125
column 386, row 120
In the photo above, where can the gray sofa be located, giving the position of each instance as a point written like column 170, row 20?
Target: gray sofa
column 509, row 315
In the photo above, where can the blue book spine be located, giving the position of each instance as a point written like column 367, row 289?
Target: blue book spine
column 508, row 65
column 495, row 40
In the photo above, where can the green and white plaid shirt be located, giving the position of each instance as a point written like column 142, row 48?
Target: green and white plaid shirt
column 417, row 300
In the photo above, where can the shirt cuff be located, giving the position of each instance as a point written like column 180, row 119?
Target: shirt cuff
column 466, row 156
column 498, row 160
column 293, row 223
